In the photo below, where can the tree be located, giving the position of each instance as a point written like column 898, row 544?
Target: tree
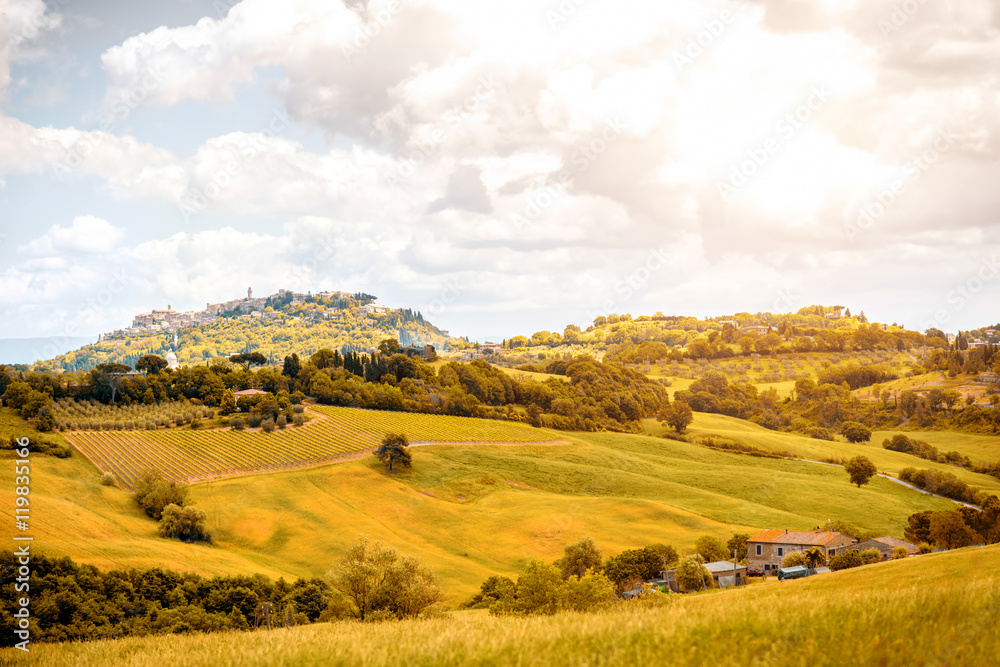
column 677, row 416
column 153, row 493
column 855, row 432
column 492, row 590
column 151, row 364
column 814, row 557
column 394, row 450
column 389, row 347
column 537, row 588
column 918, row 527
column 692, row 575
column 375, row 578
column 738, row 543
column 633, row 565
column 861, row 470
column 186, row 524
column 949, row 531
column 590, row 592
column 292, row 366
column 710, row 549
column 249, row 359
column 899, row 553
column 227, row 405
column 323, row 358
column 578, row 558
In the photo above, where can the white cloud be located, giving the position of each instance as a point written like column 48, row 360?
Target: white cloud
column 22, row 22
column 469, row 139
column 86, row 234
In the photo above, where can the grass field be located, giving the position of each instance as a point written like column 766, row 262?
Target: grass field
column 469, row 511
column 193, row 456
column 890, row 462
column 939, row 609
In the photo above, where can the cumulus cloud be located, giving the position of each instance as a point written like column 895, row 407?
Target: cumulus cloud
column 86, row 234
column 531, row 155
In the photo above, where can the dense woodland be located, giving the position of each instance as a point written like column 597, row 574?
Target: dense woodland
column 595, row 395
column 74, row 602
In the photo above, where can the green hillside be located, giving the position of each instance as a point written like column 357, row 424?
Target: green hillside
column 939, row 609
column 301, row 328
column 469, row 511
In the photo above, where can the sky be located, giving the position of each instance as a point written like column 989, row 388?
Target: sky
column 502, row 167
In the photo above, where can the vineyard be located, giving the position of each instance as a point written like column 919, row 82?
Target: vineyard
column 193, row 456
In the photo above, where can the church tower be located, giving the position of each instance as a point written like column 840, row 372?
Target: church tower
column 249, row 293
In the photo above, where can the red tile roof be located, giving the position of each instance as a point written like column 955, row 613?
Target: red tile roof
column 801, row 537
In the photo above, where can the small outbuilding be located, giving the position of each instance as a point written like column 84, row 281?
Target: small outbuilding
column 725, row 573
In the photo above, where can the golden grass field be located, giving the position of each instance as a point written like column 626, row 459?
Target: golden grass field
column 469, row 511
column 938, row 609
column 332, row 434
column 977, row 447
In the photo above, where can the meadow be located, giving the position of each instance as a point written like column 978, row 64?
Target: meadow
column 469, row 511
column 977, row 447
column 198, row 455
column 938, row 609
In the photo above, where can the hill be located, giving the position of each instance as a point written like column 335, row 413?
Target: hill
column 935, row 609
column 342, row 322
column 470, row 511
column 332, row 434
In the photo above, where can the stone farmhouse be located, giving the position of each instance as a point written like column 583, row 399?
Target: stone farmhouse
column 885, row 545
column 768, row 547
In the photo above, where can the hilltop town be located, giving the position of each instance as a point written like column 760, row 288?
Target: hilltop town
column 247, row 308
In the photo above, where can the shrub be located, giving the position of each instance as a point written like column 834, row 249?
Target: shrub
column 298, row 409
column 299, row 420
column 186, row 524
column 196, row 423
column 869, row 556
column 254, row 419
column 282, row 421
column 924, row 548
column 107, row 479
column 794, row 558
column 237, row 423
column 899, row 553
column 845, row 560
column 153, row 493
column 267, row 426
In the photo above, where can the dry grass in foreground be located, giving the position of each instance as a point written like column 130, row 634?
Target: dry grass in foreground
column 941, row 609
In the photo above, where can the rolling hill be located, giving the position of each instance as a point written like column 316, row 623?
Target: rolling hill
column 469, row 511
column 938, row 609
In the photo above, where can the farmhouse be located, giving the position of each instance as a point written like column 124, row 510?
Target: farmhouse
column 885, row 545
column 248, row 392
column 490, row 346
column 759, row 330
column 768, row 547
